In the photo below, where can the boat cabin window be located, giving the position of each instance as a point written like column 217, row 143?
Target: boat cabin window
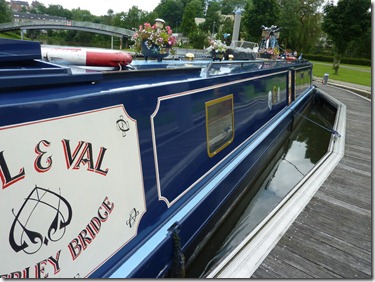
column 219, row 124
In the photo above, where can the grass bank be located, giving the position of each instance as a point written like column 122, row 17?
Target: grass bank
column 347, row 73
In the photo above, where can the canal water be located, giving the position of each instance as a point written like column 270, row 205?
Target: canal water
column 307, row 143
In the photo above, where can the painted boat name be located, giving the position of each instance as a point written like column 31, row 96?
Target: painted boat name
column 51, row 265
column 81, row 155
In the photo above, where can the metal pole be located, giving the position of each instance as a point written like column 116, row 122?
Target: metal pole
column 111, row 42
column 236, row 27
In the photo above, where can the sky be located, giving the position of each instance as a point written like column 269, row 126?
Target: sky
column 100, row 7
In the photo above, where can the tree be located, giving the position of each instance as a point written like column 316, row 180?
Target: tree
column 171, row 11
column 198, row 38
column 5, row 12
column 38, row 8
column 133, row 18
column 228, row 7
column 192, row 10
column 347, row 22
column 298, row 20
column 82, row 15
column 59, row 11
column 108, row 18
column 361, row 48
column 213, row 18
column 226, row 28
column 258, row 13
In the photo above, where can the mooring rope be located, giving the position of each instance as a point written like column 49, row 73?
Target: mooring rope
column 178, row 266
column 334, row 132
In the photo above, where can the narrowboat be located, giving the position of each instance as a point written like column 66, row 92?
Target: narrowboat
column 124, row 174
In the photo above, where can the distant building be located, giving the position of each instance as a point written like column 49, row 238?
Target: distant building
column 19, row 6
column 199, row 21
column 22, row 17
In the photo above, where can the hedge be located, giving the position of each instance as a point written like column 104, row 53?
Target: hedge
column 325, row 58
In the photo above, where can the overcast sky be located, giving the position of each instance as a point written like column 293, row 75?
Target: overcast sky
column 100, row 7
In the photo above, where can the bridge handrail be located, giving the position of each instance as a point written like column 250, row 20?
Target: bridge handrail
column 68, row 23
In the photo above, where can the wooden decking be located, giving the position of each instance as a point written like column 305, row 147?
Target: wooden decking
column 332, row 237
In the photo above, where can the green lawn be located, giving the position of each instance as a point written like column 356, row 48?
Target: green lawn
column 347, row 73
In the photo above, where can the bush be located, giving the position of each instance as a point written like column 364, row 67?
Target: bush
column 198, row 39
column 329, row 59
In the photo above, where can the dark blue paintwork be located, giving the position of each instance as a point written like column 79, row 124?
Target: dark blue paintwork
column 18, row 50
column 180, row 135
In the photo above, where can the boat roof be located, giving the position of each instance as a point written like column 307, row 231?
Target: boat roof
column 21, row 65
column 18, row 50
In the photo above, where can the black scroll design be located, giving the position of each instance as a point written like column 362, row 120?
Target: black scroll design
column 48, row 212
column 122, row 125
column 132, row 217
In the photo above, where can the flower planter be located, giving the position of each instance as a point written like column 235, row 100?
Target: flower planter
column 217, row 56
column 217, row 49
column 154, row 41
column 153, row 52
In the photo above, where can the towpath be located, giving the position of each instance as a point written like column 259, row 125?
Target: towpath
column 356, row 88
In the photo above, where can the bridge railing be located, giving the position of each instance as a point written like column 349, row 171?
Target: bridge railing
column 68, row 24
column 108, row 28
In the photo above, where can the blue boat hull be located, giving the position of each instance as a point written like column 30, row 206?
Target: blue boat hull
column 152, row 159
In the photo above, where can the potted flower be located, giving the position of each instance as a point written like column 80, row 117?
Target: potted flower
column 154, row 41
column 217, row 49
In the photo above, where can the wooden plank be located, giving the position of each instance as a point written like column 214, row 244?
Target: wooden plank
column 324, row 255
column 342, row 194
column 284, row 270
column 358, row 128
column 340, row 229
column 265, row 272
column 346, row 187
column 359, row 153
column 353, row 193
column 306, row 266
column 351, row 166
column 323, row 207
column 360, row 164
column 357, row 112
column 360, row 254
column 358, row 210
